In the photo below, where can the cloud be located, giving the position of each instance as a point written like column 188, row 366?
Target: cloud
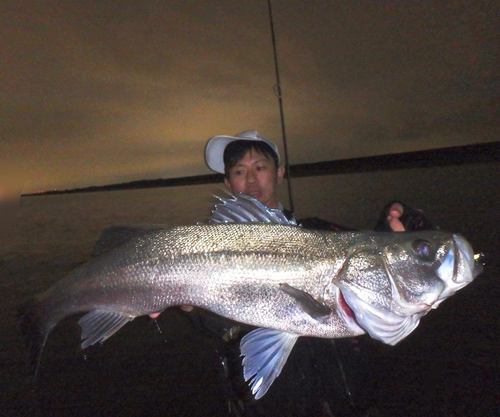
column 94, row 93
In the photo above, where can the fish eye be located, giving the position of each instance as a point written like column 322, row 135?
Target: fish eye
column 423, row 249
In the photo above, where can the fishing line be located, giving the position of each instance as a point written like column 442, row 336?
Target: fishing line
column 342, row 372
column 277, row 91
column 159, row 329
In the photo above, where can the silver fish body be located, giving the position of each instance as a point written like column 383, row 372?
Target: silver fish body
column 292, row 281
column 233, row 270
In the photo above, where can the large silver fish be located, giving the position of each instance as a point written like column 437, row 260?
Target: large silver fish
column 284, row 279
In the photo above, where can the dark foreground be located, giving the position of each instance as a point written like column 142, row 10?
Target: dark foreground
column 449, row 366
column 444, row 369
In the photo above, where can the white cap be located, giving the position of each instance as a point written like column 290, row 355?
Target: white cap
column 214, row 151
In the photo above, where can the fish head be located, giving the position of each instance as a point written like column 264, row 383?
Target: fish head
column 387, row 284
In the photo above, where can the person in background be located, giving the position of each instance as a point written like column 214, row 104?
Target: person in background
column 251, row 165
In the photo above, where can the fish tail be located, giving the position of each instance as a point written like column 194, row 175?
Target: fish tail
column 35, row 331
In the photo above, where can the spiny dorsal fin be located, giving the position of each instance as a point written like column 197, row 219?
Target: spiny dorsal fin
column 116, row 235
column 245, row 209
column 97, row 325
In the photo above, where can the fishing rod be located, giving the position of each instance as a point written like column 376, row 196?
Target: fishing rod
column 288, row 177
column 280, row 100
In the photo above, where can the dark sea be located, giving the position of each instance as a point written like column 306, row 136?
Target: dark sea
column 449, row 366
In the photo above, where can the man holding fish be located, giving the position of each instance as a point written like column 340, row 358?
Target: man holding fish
column 251, row 264
column 251, row 166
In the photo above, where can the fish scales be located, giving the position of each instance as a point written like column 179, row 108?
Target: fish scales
column 287, row 280
column 232, row 270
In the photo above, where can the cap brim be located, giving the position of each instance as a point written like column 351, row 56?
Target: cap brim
column 214, row 151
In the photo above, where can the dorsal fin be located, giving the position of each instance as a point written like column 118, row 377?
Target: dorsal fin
column 116, row 235
column 245, row 209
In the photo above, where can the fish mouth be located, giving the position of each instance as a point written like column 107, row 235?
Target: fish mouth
column 459, row 268
column 347, row 313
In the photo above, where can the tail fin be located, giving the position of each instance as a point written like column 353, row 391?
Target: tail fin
column 35, row 335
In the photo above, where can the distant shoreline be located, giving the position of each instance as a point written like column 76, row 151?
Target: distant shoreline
column 468, row 154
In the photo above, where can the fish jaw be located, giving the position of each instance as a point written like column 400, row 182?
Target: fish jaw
column 381, row 324
column 458, row 269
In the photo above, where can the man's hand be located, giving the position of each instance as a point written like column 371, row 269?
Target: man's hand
column 395, row 213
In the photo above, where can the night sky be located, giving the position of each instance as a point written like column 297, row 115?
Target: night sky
column 101, row 92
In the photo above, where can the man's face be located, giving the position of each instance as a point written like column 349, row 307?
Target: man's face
column 256, row 175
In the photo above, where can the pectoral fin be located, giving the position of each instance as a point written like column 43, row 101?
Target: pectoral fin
column 311, row 306
column 265, row 353
column 97, row 326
